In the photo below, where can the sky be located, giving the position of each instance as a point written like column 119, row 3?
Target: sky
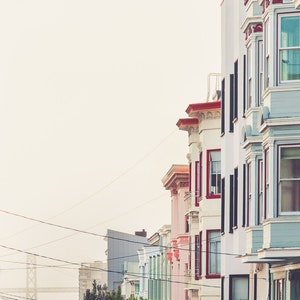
column 90, row 93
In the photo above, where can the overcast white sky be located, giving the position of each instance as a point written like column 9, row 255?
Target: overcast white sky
column 90, row 93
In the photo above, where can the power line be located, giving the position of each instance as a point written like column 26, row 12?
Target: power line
column 108, row 184
column 94, row 268
column 102, row 236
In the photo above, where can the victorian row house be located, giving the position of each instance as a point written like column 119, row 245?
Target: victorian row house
column 196, row 206
column 260, row 138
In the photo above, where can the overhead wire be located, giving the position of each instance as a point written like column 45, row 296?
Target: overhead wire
column 100, row 235
column 106, row 185
column 96, row 268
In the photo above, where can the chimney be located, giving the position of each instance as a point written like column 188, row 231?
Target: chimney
column 141, row 233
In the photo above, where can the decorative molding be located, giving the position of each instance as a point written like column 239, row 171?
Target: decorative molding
column 208, row 115
column 174, row 192
column 253, row 28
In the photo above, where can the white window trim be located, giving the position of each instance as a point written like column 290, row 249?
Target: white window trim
column 279, row 48
column 278, row 181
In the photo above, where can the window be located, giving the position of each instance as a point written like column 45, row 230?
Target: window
column 231, row 101
column 235, row 198
column 279, row 289
column 214, row 173
column 249, row 193
column 267, row 182
column 249, row 77
column 198, row 180
column 223, row 107
column 198, row 253
column 244, row 194
column 213, row 253
column 255, row 287
column 267, row 53
column 190, row 177
column 295, row 284
column 187, row 225
column 244, row 83
column 289, row 47
column 260, row 72
column 260, row 193
column 223, row 206
column 236, row 89
column 231, row 203
column 289, row 179
column 222, row 287
column 239, row 287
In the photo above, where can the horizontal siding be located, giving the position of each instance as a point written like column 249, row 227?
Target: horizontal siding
column 283, row 104
column 282, row 235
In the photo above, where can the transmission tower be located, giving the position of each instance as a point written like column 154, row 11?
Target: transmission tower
column 31, row 288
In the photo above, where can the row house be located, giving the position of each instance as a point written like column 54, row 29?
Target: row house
column 260, row 136
column 202, row 203
column 196, row 207
column 177, row 182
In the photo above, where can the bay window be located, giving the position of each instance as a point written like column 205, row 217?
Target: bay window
column 213, row 252
column 289, row 179
column 213, row 173
column 289, row 47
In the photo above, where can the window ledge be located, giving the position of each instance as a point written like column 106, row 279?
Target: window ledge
column 213, row 196
column 212, row 276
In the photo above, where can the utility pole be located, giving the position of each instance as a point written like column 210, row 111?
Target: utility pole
column 31, row 287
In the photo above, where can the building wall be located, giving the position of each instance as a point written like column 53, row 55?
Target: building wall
column 177, row 181
column 259, row 237
column 233, row 239
column 121, row 247
column 89, row 272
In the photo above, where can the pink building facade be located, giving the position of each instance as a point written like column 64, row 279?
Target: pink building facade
column 177, row 182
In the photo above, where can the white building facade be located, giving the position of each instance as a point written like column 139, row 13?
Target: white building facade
column 202, row 203
column 260, row 132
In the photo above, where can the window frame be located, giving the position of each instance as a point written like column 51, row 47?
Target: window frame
column 280, row 48
column 235, row 197
column 260, row 191
column 249, row 191
column 232, row 278
column 208, row 176
column 260, row 71
column 198, row 256
column 266, row 182
column 198, row 180
column 267, row 52
column 249, row 77
column 279, row 289
column 279, row 179
column 209, row 254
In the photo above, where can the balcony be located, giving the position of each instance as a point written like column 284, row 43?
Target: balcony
column 254, row 239
column 274, row 97
column 254, row 242
column 189, row 204
column 281, row 239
